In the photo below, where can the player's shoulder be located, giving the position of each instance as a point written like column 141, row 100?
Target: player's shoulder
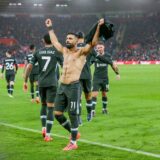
column 44, row 49
column 10, row 59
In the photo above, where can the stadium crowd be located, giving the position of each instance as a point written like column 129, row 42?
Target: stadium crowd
column 141, row 39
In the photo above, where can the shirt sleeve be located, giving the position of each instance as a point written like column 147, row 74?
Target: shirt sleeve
column 34, row 59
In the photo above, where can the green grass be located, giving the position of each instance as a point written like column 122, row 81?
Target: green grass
column 133, row 121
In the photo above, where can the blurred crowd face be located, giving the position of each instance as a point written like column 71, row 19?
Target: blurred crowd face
column 100, row 48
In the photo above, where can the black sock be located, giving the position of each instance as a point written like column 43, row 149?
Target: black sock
column 104, row 101
column 8, row 88
column 32, row 90
column 64, row 122
column 11, row 89
column 89, row 106
column 74, row 127
column 50, row 119
column 94, row 102
column 43, row 115
column 37, row 91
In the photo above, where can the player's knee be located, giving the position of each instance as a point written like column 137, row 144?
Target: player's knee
column 104, row 94
column 11, row 83
column 50, row 104
column 88, row 96
column 60, row 118
column 94, row 94
column 58, row 113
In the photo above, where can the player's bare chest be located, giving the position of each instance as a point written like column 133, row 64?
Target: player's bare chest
column 70, row 58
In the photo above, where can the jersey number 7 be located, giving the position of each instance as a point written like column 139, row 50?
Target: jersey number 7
column 48, row 59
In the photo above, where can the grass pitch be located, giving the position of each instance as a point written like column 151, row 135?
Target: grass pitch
column 133, row 122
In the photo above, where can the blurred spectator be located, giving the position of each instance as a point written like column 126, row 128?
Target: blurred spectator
column 141, row 39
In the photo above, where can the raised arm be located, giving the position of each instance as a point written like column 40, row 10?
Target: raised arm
column 96, row 35
column 87, row 48
column 53, row 37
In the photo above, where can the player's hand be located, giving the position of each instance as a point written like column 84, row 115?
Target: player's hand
column 48, row 22
column 118, row 77
column 101, row 22
column 25, row 87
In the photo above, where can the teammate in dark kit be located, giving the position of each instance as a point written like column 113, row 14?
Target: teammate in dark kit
column 33, row 77
column 10, row 66
column 47, row 59
column 68, row 94
column 100, row 77
column 85, row 79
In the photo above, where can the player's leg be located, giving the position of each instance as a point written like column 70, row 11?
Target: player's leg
column 80, row 104
column 89, row 104
column 104, row 89
column 60, row 107
column 11, row 88
column 73, row 95
column 104, row 102
column 31, row 87
column 37, row 88
column 95, row 90
column 12, row 77
column 88, row 97
column 50, row 94
column 43, row 111
column 8, row 84
column 8, row 88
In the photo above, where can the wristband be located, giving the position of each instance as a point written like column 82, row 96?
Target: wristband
column 50, row 28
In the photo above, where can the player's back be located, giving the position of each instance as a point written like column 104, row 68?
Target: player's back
column 29, row 57
column 35, row 69
column 47, row 60
column 9, row 63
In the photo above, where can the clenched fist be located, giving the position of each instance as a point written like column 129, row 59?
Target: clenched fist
column 48, row 22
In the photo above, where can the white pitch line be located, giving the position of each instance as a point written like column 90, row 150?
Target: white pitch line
column 88, row 142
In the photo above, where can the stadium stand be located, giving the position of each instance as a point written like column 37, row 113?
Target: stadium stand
column 135, row 39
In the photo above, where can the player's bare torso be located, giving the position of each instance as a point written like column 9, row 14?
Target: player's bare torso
column 72, row 66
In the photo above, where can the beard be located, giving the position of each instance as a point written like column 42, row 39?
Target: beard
column 69, row 46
